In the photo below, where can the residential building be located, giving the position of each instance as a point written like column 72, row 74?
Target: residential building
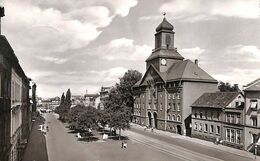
column 104, row 94
column 169, row 86
column 91, row 100
column 252, row 115
column 219, row 116
column 15, row 105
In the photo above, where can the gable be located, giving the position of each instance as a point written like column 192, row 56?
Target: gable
column 253, row 86
column 151, row 76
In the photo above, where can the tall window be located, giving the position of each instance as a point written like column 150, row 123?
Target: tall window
column 228, row 118
column 238, row 139
column 169, row 106
column 178, row 118
column 212, row 115
column 211, row 129
column 218, row 130
column 173, row 107
column 227, row 134
column 232, row 135
column 200, row 127
column 169, row 117
column 196, row 115
column 206, row 127
column 169, row 96
column 206, row 115
column 232, row 118
column 254, row 121
column 173, row 96
column 201, row 115
column 238, row 119
column 195, row 126
column 178, row 106
column 253, row 104
column 173, row 117
column 178, row 95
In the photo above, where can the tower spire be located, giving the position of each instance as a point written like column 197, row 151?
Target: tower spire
column 2, row 14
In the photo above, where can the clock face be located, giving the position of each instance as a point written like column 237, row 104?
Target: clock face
column 163, row 62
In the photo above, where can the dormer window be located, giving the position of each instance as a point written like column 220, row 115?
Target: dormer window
column 253, row 104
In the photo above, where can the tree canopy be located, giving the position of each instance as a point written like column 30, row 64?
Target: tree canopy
column 227, row 87
column 119, row 105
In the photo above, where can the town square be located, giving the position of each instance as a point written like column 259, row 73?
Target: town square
column 134, row 80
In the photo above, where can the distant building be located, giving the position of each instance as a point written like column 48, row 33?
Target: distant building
column 77, row 100
column 104, row 94
column 219, row 116
column 91, row 100
column 169, row 86
column 252, row 115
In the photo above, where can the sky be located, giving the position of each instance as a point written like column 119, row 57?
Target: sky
column 86, row 44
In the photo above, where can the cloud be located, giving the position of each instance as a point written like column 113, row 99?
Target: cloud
column 192, row 53
column 122, row 49
column 198, row 10
column 110, row 75
column 53, row 59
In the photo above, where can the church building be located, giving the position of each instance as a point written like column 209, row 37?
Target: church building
column 164, row 95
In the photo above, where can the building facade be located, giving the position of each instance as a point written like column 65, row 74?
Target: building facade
column 104, row 94
column 169, row 86
column 219, row 116
column 252, row 115
column 15, row 106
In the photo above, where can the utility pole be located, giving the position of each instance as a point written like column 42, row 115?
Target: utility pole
column 2, row 14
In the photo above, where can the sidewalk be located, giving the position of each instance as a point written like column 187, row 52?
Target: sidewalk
column 36, row 147
column 202, row 142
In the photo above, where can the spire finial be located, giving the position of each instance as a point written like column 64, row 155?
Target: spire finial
column 164, row 14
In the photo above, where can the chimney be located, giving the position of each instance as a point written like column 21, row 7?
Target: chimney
column 2, row 14
column 196, row 61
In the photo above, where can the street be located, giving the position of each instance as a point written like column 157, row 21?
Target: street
column 143, row 145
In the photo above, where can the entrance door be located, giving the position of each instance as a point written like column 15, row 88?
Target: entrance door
column 150, row 119
column 179, row 129
column 155, row 119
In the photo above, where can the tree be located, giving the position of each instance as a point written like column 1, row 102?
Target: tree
column 62, row 99
column 226, row 87
column 119, row 105
column 74, row 114
column 88, row 119
column 125, row 86
column 68, row 98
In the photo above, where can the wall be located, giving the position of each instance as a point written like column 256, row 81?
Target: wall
column 191, row 92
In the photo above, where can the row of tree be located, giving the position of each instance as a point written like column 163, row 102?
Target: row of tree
column 64, row 107
column 118, row 107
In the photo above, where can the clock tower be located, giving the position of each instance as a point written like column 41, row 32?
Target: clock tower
column 164, row 54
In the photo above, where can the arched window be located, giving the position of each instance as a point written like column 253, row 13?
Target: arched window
column 169, row 117
column 196, row 115
column 201, row 115
column 178, row 118
column 173, row 117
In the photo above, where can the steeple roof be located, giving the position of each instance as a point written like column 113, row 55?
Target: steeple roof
column 164, row 25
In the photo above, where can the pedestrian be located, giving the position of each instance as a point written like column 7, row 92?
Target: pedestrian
column 125, row 144
column 122, row 146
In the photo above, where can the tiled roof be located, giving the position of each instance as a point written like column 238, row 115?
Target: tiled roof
column 187, row 70
column 7, row 51
column 253, row 86
column 165, row 54
column 215, row 100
